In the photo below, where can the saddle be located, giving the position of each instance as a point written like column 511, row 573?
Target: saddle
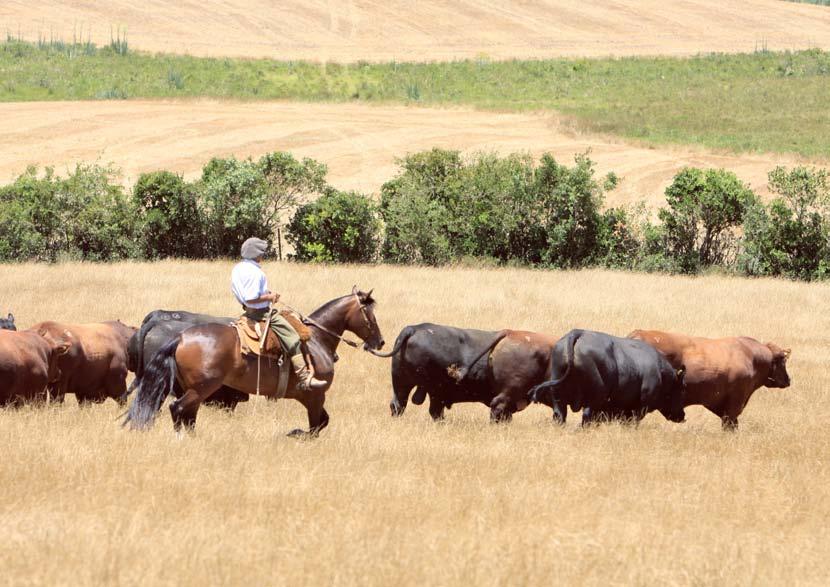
column 251, row 335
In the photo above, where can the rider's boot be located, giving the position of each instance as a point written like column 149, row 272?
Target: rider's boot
column 304, row 379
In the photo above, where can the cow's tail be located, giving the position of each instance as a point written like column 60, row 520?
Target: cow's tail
column 153, row 386
column 533, row 394
column 400, row 343
column 461, row 372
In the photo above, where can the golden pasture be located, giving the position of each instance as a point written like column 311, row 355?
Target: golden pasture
column 405, row 30
column 406, row 501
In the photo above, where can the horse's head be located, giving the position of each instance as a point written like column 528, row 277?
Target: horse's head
column 361, row 319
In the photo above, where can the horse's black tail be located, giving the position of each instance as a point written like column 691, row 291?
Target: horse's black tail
column 146, row 327
column 533, row 394
column 400, row 343
column 462, row 371
column 154, row 385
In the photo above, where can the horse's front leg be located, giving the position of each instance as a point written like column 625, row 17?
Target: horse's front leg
column 318, row 418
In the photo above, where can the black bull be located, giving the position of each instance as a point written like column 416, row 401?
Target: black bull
column 610, row 378
column 159, row 327
column 454, row 365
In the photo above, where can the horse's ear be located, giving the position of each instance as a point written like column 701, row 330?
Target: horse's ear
column 354, row 290
column 369, row 295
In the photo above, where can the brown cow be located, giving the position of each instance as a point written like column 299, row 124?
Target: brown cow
column 721, row 373
column 453, row 365
column 28, row 363
column 95, row 366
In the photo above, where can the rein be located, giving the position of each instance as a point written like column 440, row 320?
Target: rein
column 311, row 321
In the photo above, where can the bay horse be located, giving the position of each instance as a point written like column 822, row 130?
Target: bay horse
column 205, row 357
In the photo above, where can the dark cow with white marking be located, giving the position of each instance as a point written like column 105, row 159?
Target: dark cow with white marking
column 610, row 378
column 455, row 365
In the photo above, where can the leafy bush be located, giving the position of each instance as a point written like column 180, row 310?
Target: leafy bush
column 416, row 208
column 705, row 208
column 441, row 208
column 172, row 221
column 30, row 218
column 570, row 199
column 249, row 198
column 85, row 216
column 337, row 227
column 99, row 221
column 790, row 236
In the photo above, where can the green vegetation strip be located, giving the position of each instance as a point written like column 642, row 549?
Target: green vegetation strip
column 763, row 101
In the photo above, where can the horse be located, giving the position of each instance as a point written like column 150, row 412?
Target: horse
column 205, row 357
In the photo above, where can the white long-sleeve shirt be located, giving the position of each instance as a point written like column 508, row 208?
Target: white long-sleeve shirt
column 248, row 282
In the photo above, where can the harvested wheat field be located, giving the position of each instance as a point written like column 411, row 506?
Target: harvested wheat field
column 359, row 143
column 320, row 30
column 406, row 501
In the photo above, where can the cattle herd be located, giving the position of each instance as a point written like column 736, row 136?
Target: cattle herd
column 606, row 377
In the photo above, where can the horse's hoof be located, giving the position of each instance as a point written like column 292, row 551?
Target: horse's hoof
column 297, row 433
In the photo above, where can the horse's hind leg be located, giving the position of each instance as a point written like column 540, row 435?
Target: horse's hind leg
column 184, row 410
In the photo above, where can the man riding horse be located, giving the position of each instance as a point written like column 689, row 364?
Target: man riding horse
column 250, row 287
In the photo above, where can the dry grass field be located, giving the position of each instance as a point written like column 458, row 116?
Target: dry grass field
column 381, row 501
column 406, row 30
column 359, row 143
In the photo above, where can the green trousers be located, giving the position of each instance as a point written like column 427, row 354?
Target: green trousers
column 289, row 339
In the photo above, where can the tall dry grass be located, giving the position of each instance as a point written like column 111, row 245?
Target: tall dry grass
column 382, row 501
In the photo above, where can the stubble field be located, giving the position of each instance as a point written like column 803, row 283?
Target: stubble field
column 406, row 501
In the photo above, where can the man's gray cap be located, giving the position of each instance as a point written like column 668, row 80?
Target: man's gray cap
column 254, row 247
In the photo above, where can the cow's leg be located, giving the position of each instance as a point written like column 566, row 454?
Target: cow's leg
column 184, row 410
column 502, row 408
column 588, row 417
column 224, row 398
column 560, row 413
column 116, row 386
column 318, row 417
column 729, row 422
column 401, row 388
column 57, row 392
column 436, row 407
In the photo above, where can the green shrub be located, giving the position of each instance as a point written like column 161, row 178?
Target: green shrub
column 338, row 227
column 19, row 238
column 618, row 246
column 172, row 221
column 418, row 208
column 570, row 200
column 705, row 208
column 30, row 218
column 84, row 216
column 441, row 208
column 100, row 222
column 790, row 236
column 249, row 198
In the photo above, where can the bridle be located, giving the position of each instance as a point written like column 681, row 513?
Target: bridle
column 311, row 321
